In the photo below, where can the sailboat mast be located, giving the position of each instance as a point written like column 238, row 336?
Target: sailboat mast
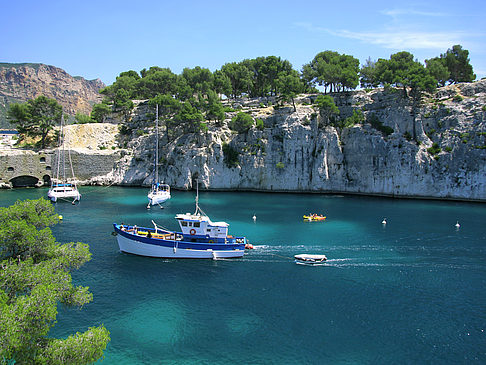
column 58, row 167
column 157, row 144
column 63, row 152
column 197, row 197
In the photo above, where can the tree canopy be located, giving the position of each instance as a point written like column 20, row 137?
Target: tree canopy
column 195, row 94
column 34, row 278
column 333, row 71
column 36, row 118
column 457, row 62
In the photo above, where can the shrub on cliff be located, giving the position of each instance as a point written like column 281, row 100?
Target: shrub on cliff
column 435, row 149
column 326, row 106
column 378, row 125
column 241, row 123
column 230, row 156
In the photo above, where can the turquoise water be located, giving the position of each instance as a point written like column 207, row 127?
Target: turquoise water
column 410, row 292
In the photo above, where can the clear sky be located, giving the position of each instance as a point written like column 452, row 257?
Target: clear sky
column 100, row 39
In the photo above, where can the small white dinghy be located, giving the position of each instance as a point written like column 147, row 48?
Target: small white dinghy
column 306, row 259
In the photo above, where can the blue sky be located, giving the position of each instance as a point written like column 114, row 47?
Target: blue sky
column 100, row 39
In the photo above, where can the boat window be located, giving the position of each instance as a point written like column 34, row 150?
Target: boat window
column 189, row 224
column 197, row 224
column 184, row 224
column 209, row 229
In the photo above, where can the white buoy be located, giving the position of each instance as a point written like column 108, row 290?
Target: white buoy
column 383, row 221
column 458, row 225
column 254, row 218
column 60, row 217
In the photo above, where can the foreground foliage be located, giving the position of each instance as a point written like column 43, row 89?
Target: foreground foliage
column 34, row 278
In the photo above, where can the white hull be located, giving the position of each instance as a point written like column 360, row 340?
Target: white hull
column 73, row 194
column 143, row 249
column 313, row 260
column 158, row 198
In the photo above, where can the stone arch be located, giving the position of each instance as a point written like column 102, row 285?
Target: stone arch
column 10, row 169
column 24, row 181
column 46, row 179
column 42, row 159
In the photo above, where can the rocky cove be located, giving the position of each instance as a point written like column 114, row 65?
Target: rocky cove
column 299, row 151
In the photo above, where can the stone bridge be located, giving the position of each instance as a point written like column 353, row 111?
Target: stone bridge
column 20, row 168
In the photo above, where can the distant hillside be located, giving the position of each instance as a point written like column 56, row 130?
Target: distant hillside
column 20, row 82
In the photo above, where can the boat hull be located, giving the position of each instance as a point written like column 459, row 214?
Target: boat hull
column 155, row 199
column 143, row 246
column 73, row 194
column 312, row 260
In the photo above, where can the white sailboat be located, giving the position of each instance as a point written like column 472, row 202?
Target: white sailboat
column 63, row 188
column 159, row 193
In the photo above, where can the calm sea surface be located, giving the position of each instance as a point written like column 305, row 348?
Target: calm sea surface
column 410, row 292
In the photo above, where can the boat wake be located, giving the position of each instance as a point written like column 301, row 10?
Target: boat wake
column 365, row 256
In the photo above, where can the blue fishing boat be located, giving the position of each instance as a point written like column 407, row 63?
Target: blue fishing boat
column 199, row 238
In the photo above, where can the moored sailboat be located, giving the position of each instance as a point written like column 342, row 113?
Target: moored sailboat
column 62, row 187
column 159, row 193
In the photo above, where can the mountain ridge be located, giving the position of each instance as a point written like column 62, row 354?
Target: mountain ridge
column 20, row 82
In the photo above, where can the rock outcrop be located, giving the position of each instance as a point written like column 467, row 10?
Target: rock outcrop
column 434, row 150
column 20, row 82
column 299, row 151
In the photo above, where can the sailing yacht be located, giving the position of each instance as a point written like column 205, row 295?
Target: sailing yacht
column 159, row 193
column 63, row 188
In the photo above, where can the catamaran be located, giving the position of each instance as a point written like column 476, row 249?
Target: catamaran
column 159, row 193
column 63, row 188
column 199, row 238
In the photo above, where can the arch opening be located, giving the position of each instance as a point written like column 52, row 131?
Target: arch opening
column 24, row 181
column 46, row 179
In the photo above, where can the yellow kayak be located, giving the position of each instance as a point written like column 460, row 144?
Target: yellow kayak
column 314, row 217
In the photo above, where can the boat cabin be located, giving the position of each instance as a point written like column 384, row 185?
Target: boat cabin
column 201, row 225
column 157, row 187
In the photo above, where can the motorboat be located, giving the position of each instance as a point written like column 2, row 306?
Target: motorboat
column 63, row 187
column 199, row 237
column 159, row 193
column 308, row 259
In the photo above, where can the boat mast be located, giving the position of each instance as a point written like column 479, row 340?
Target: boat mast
column 156, row 178
column 197, row 197
column 58, row 167
column 63, row 152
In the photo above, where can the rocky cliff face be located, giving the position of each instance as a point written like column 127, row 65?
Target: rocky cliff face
column 24, row 81
column 298, row 151
column 302, row 152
